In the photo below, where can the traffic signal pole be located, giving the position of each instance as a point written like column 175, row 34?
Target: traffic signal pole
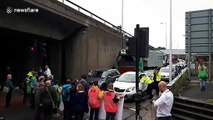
column 138, row 46
column 137, row 57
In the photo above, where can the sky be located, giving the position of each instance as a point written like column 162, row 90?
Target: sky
column 154, row 14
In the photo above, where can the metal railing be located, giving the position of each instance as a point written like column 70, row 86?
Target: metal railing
column 94, row 16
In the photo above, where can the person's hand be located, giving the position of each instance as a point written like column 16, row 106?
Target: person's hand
column 153, row 101
column 120, row 96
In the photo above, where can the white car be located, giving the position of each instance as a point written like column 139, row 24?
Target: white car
column 165, row 73
column 125, row 85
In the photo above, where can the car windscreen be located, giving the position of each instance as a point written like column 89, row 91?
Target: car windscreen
column 127, row 78
column 99, row 74
column 149, row 73
column 164, row 70
column 104, row 74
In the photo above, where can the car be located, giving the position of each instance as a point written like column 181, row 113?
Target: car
column 126, row 85
column 149, row 73
column 103, row 75
column 182, row 63
column 165, row 73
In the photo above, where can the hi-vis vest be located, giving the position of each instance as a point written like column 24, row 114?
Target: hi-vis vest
column 94, row 101
column 147, row 80
column 158, row 76
column 109, row 105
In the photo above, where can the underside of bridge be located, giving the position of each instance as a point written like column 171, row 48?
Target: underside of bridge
column 69, row 46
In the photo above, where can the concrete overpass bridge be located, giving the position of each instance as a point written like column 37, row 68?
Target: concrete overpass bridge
column 71, row 41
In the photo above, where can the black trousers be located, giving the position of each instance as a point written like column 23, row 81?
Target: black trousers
column 149, row 89
column 79, row 115
column 92, row 111
column 110, row 116
column 47, row 116
column 32, row 100
column 8, row 98
column 156, row 87
column 66, row 112
column 38, row 113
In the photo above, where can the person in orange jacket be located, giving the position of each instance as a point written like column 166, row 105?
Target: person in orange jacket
column 111, row 102
column 94, row 100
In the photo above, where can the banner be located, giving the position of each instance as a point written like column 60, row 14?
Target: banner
column 119, row 114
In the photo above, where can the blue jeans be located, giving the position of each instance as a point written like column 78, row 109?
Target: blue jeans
column 202, row 84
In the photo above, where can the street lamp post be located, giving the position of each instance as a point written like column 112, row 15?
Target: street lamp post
column 165, row 33
column 122, row 14
column 122, row 21
column 170, row 47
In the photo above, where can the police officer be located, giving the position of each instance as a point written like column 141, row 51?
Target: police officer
column 156, row 76
column 149, row 82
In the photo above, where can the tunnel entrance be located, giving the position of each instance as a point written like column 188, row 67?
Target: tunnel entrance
column 22, row 52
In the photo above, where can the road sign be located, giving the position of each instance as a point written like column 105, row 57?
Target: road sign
column 199, row 34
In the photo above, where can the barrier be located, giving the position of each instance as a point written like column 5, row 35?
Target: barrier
column 178, row 82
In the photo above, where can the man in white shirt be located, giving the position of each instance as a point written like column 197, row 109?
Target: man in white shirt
column 164, row 103
column 47, row 71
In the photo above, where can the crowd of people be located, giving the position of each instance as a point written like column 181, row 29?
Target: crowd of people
column 74, row 98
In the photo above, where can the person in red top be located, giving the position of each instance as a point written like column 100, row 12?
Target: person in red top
column 94, row 100
column 110, row 103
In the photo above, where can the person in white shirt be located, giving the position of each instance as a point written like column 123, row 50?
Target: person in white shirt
column 164, row 103
column 47, row 71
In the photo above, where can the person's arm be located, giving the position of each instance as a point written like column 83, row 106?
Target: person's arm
column 159, row 101
column 10, row 85
column 206, row 70
column 54, row 94
column 160, row 76
column 59, row 90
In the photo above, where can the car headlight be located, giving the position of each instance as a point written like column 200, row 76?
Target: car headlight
column 130, row 89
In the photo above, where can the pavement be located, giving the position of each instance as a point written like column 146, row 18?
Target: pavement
column 193, row 91
column 17, row 110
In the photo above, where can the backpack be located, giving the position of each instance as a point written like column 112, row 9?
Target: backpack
column 202, row 74
column 66, row 92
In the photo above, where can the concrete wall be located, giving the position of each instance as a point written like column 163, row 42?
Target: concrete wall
column 55, row 58
column 75, row 54
column 90, row 48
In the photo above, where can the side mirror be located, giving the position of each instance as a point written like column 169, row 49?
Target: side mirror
column 116, row 79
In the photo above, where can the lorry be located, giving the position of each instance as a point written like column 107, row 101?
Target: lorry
column 126, row 62
column 155, row 59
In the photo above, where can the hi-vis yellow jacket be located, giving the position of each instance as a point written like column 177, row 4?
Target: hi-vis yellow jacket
column 146, row 80
column 158, row 77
